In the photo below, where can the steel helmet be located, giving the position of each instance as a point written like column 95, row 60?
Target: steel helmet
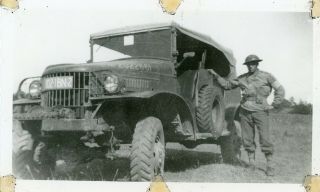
column 252, row 58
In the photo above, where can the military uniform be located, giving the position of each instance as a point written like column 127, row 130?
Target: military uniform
column 255, row 87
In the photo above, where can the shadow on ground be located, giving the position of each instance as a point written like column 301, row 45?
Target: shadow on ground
column 119, row 169
column 181, row 160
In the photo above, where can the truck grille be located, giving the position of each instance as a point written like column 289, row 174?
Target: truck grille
column 76, row 96
column 136, row 84
column 130, row 83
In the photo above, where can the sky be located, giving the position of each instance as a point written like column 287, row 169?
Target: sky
column 52, row 35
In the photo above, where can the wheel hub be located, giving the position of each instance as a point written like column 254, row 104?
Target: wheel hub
column 214, row 112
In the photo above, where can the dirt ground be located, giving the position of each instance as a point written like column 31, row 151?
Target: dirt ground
column 291, row 135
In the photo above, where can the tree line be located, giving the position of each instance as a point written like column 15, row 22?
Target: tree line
column 291, row 106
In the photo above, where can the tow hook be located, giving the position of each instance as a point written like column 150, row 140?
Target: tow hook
column 103, row 139
column 111, row 145
column 110, row 154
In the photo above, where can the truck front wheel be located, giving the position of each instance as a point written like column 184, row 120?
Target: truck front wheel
column 148, row 151
column 30, row 159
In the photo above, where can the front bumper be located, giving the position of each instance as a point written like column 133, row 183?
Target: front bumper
column 72, row 125
column 61, row 120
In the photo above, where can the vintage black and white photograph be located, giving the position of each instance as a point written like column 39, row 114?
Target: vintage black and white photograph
column 197, row 96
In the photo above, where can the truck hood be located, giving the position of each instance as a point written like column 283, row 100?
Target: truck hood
column 137, row 65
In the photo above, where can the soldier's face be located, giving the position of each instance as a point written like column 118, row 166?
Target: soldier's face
column 252, row 67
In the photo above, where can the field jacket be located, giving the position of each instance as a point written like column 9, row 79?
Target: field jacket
column 255, row 89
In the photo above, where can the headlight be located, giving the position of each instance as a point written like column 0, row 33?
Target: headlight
column 111, row 83
column 35, row 89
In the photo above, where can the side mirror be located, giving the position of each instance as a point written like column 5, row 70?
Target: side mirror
column 185, row 56
column 189, row 54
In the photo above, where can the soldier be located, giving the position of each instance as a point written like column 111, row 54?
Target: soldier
column 256, row 86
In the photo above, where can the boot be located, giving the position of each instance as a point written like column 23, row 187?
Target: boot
column 252, row 157
column 270, row 166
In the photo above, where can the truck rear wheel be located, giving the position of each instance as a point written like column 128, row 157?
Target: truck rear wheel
column 148, row 151
column 230, row 145
column 210, row 111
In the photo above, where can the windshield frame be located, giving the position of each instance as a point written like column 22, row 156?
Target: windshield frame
column 173, row 47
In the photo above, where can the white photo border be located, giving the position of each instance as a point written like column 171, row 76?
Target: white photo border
column 7, row 55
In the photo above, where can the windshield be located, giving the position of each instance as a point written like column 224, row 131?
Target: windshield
column 145, row 44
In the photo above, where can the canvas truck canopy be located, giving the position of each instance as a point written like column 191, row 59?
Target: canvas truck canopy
column 159, row 44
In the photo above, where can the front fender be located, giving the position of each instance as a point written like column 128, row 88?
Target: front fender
column 143, row 94
column 26, row 101
column 163, row 95
column 162, row 101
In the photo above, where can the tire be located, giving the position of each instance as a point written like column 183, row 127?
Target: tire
column 30, row 159
column 45, row 159
column 211, row 110
column 23, row 165
column 230, row 146
column 148, row 151
column 33, row 164
column 188, row 143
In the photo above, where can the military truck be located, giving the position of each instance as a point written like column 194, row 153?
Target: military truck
column 155, row 89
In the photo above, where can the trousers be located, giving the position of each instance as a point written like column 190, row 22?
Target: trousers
column 249, row 121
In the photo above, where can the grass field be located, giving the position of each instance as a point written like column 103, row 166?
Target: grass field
column 290, row 133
